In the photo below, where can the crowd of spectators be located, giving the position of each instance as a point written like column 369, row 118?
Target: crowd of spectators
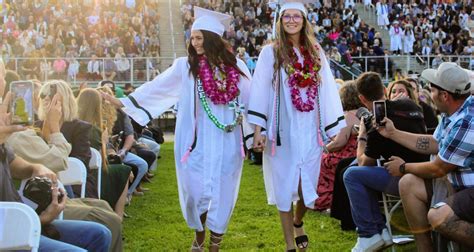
column 71, row 124
column 66, row 30
column 338, row 27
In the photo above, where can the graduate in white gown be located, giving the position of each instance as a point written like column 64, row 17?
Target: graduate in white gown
column 293, row 116
column 212, row 88
column 381, row 10
column 396, row 35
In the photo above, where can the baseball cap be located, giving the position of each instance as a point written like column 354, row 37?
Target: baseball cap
column 450, row 77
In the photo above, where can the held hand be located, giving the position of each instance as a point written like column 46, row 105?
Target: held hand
column 42, row 171
column 55, row 114
column 111, row 99
column 399, row 96
column 55, row 208
column 5, row 128
column 122, row 153
column 259, row 142
column 393, row 166
column 388, row 129
column 362, row 129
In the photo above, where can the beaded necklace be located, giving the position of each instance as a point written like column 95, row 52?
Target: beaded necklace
column 234, row 104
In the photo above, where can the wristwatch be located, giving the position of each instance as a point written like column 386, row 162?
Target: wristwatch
column 402, row 168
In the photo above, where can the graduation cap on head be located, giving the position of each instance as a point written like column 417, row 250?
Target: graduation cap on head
column 295, row 5
column 212, row 21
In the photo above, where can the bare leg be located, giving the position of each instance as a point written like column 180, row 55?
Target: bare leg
column 414, row 198
column 120, row 205
column 286, row 219
column 215, row 242
column 298, row 218
column 446, row 222
column 200, row 235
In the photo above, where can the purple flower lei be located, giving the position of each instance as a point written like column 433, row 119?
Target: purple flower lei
column 219, row 91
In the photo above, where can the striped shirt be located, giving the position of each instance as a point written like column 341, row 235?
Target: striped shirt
column 455, row 137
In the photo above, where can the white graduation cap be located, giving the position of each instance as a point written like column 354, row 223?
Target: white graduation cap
column 294, row 4
column 212, row 21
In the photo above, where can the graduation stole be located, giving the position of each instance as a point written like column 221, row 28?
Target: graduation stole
column 233, row 105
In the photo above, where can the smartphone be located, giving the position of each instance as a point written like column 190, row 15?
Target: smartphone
column 21, row 106
column 380, row 112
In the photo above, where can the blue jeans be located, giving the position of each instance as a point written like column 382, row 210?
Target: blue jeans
column 364, row 185
column 78, row 236
column 142, row 166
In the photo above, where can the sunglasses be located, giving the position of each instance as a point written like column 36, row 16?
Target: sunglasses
column 296, row 18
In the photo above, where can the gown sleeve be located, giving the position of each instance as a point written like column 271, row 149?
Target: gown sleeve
column 156, row 96
column 259, row 101
column 245, row 86
column 332, row 115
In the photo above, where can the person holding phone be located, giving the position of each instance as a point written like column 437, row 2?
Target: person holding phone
column 365, row 181
column 74, row 235
column 295, row 109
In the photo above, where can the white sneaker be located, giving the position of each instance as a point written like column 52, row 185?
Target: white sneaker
column 386, row 237
column 368, row 244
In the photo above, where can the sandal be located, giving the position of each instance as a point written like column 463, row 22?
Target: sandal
column 302, row 241
column 197, row 247
column 213, row 242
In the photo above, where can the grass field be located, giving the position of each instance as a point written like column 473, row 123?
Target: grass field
column 157, row 224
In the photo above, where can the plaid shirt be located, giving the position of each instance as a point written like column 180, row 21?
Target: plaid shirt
column 455, row 137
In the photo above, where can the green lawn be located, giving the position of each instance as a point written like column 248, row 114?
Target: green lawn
column 157, row 223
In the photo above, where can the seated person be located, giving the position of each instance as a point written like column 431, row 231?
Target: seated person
column 344, row 145
column 115, row 177
column 365, row 182
column 73, row 235
column 450, row 214
column 74, row 130
column 54, row 152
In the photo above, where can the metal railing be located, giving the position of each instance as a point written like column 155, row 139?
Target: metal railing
column 140, row 69
column 143, row 69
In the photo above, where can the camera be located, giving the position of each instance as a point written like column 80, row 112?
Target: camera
column 367, row 116
column 39, row 190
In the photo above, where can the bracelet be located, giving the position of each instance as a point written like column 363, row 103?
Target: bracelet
column 364, row 139
column 402, row 168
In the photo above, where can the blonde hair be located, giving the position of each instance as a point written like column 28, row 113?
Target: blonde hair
column 69, row 106
column 282, row 48
column 89, row 104
column 109, row 113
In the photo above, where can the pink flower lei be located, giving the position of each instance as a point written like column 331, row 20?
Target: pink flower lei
column 301, row 76
column 219, row 90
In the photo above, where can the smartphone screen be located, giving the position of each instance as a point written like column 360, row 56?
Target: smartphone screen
column 380, row 112
column 21, row 107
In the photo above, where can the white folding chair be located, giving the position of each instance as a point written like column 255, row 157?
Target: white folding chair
column 75, row 174
column 20, row 227
column 96, row 163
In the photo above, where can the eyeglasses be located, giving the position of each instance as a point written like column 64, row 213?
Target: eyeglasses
column 295, row 18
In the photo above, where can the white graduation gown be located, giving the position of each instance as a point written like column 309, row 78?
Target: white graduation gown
column 408, row 41
column 209, row 180
column 299, row 155
column 396, row 38
column 382, row 14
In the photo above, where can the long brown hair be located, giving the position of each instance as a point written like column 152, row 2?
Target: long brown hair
column 217, row 51
column 408, row 87
column 282, row 48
